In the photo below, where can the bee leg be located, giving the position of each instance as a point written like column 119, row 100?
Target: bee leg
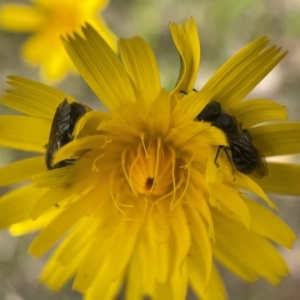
column 217, row 155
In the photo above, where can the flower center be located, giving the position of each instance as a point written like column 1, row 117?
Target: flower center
column 150, row 169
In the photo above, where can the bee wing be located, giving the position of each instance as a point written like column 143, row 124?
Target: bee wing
column 60, row 126
column 246, row 157
column 259, row 163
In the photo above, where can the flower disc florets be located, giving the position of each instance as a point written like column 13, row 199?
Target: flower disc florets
column 150, row 162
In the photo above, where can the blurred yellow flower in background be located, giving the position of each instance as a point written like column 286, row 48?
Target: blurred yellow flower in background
column 48, row 21
column 143, row 201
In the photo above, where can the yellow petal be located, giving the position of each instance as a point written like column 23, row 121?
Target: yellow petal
column 204, row 210
column 257, row 71
column 21, row 18
column 99, row 66
column 215, row 289
column 187, row 43
column 91, row 264
column 33, row 98
column 120, row 128
column 200, row 259
column 158, row 116
column 267, row 224
column 241, row 73
column 100, row 24
column 25, row 133
column 180, row 241
column 58, row 177
column 16, row 205
column 282, row 178
column 104, row 291
column 77, row 242
column 180, row 283
column 231, row 201
column 247, row 183
column 22, row 170
column 246, row 253
column 249, row 112
column 214, row 173
column 30, row 225
column 136, row 282
column 54, row 197
column 68, row 218
column 121, row 244
column 140, row 63
column 76, row 146
column 152, row 254
column 277, row 139
column 96, row 252
column 94, row 248
column 66, row 259
column 174, row 289
column 189, row 107
column 159, row 234
column 55, row 275
column 89, row 122
column 240, row 58
column 199, row 131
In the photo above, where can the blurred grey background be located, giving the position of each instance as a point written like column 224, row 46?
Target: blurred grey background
column 225, row 27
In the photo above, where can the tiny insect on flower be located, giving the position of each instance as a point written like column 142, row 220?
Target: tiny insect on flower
column 63, row 125
column 244, row 155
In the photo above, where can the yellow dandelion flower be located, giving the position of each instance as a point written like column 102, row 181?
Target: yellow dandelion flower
column 48, row 21
column 142, row 198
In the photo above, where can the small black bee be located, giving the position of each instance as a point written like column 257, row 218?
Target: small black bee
column 63, row 124
column 244, row 155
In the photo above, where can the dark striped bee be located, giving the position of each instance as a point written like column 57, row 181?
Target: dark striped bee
column 65, row 118
column 244, row 156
